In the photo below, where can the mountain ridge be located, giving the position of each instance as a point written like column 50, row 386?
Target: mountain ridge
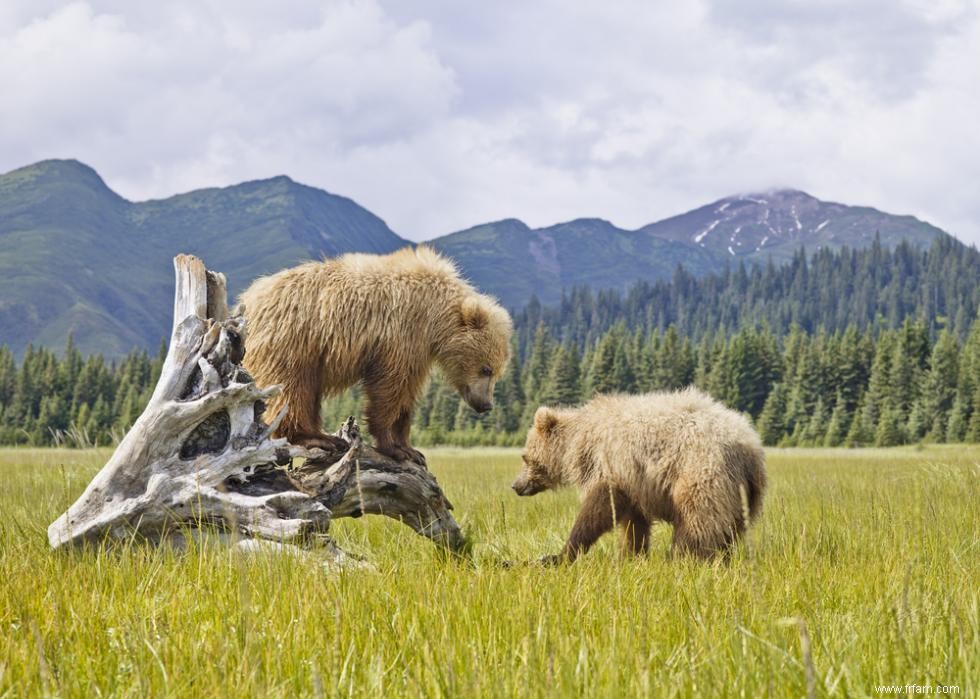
column 77, row 258
column 799, row 218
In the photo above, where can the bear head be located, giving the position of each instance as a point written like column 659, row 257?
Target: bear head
column 475, row 353
column 543, row 467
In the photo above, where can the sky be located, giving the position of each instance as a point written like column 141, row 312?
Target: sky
column 438, row 115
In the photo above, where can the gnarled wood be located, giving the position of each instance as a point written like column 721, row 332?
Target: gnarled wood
column 201, row 454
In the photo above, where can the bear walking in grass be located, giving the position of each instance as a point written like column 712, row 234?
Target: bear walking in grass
column 382, row 320
column 678, row 457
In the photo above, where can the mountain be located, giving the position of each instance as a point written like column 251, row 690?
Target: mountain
column 78, row 259
column 779, row 222
column 513, row 261
column 260, row 227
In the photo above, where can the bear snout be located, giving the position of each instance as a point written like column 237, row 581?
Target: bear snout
column 524, row 486
column 480, row 405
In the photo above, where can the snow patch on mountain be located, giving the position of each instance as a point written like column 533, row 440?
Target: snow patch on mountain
column 700, row 236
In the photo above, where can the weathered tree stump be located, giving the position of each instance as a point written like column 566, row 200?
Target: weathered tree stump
column 200, row 454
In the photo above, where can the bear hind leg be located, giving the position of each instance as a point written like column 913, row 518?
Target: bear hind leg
column 704, row 542
column 301, row 424
column 320, row 440
column 634, row 530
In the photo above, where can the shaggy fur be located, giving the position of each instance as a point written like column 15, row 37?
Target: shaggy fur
column 383, row 320
column 678, row 457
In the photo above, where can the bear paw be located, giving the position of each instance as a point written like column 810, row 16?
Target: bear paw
column 405, row 453
column 551, row 560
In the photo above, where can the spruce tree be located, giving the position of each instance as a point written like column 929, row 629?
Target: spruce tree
column 816, row 427
column 909, row 358
column 563, row 387
column 973, row 427
column 536, row 370
column 889, row 432
column 603, row 374
column 771, row 423
column 720, row 379
column 624, row 376
column 916, row 425
column 939, row 386
column 959, row 419
column 858, row 433
column 851, row 364
column 705, row 358
column 837, row 427
column 878, row 395
column 508, row 400
column 8, row 375
column 445, row 406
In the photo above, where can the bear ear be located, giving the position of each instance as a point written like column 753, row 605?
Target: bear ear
column 475, row 315
column 545, row 420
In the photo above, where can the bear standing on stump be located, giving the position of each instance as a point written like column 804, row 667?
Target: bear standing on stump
column 678, row 457
column 383, row 320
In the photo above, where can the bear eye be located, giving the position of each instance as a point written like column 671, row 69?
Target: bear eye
column 486, row 371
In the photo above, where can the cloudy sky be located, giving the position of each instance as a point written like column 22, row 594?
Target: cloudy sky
column 438, row 115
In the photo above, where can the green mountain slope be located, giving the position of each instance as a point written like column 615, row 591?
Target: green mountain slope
column 77, row 258
column 513, row 261
column 260, row 227
column 68, row 262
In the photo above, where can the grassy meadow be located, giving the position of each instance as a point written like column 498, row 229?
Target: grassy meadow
column 864, row 571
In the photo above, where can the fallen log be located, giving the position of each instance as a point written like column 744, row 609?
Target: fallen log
column 201, row 455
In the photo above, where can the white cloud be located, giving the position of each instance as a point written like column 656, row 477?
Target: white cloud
column 438, row 116
column 187, row 96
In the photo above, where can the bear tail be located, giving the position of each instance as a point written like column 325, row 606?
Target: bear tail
column 754, row 469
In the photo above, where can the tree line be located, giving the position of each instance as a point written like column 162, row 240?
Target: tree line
column 73, row 400
column 842, row 388
column 866, row 347
column 874, row 288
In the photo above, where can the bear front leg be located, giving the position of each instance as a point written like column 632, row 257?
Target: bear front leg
column 402, row 429
column 601, row 507
column 390, row 422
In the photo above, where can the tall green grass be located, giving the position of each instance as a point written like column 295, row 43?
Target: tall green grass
column 875, row 553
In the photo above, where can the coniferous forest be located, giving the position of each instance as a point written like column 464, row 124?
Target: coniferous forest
column 849, row 347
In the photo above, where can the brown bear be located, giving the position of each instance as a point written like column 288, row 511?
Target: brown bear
column 678, row 457
column 383, row 320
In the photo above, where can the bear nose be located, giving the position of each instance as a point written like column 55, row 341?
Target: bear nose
column 484, row 407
